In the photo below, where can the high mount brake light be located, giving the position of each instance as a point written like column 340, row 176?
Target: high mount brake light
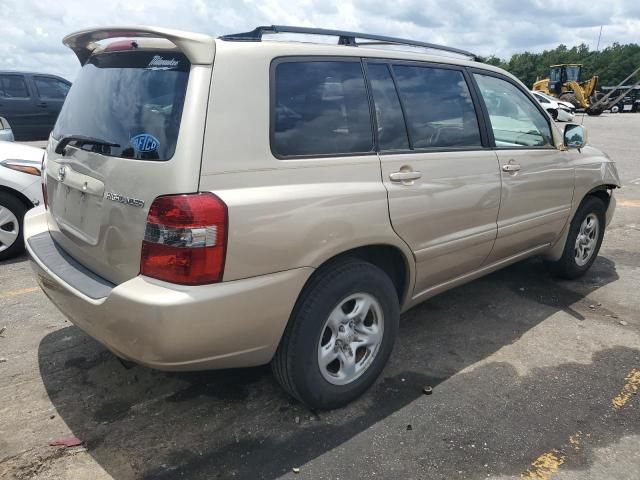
column 185, row 239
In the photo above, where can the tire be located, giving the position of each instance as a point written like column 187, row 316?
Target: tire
column 12, row 212
column 571, row 98
column 594, row 112
column 569, row 266
column 297, row 363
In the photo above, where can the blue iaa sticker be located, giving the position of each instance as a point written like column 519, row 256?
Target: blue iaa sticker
column 145, row 142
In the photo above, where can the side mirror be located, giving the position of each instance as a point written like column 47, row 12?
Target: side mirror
column 575, row 136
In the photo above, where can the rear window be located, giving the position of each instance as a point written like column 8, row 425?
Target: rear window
column 133, row 99
column 321, row 108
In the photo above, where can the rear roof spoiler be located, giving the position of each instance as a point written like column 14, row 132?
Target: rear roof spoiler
column 199, row 48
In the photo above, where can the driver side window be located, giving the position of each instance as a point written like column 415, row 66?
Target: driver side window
column 515, row 120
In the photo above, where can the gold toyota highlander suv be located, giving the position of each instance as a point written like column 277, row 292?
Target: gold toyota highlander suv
column 230, row 202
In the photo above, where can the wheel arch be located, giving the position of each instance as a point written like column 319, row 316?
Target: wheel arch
column 601, row 191
column 20, row 196
column 389, row 258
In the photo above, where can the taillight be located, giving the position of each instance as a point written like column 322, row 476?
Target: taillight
column 185, row 239
column 43, row 181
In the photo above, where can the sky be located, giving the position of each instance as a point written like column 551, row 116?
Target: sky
column 32, row 30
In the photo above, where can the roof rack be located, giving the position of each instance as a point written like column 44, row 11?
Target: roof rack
column 344, row 38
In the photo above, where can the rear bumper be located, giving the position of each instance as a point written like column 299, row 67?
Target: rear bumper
column 167, row 326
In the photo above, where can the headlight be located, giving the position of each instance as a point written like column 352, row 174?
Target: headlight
column 24, row 166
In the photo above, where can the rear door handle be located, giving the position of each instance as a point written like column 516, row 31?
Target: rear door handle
column 42, row 104
column 510, row 167
column 405, row 176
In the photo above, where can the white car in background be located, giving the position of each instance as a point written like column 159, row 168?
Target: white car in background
column 559, row 110
column 20, row 190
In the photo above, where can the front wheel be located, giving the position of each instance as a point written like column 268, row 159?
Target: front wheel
column 339, row 336
column 583, row 241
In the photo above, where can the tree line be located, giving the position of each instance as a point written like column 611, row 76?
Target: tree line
column 612, row 64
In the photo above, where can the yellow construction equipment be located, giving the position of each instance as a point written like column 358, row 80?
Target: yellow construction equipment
column 564, row 83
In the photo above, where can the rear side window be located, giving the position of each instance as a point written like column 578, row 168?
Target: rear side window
column 392, row 133
column 321, row 108
column 133, row 99
column 438, row 107
column 13, row 86
column 51, row 88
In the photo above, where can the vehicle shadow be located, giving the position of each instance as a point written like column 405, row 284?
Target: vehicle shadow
column 19, row 259
column 140, row 423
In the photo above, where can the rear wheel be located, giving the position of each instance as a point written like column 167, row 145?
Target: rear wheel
column 584, row 240
column 340, row 335
column 12, row 212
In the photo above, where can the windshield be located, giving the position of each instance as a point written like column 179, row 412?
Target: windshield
column 573, row 74
column 131, row 99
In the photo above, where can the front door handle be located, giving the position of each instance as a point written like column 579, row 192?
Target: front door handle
column 405, row 176
column 510, row 167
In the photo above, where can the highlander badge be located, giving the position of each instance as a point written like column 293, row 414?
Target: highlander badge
column 115, row 197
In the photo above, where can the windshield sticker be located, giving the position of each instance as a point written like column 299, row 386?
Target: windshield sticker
column 159, row 63
column 145, row 142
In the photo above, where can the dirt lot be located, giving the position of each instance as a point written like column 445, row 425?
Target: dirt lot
column 531, row 377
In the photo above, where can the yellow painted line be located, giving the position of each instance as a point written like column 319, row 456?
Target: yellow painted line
column 547, row 464
column 22, row 291
column 544, row 466
column 631, row 387
column 629, row 203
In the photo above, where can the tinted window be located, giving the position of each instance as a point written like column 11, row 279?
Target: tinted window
column 51, row 87
column 133, row 99
column 392, row 133
column 321, row 108
column 13, row 86
column 515, row 120
column 438, row 106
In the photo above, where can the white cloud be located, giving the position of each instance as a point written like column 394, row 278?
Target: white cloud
column 32, row 30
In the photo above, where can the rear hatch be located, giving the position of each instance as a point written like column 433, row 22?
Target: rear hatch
column 131, row 129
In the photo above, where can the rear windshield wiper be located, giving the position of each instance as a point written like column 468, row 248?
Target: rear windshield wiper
column 82, row 140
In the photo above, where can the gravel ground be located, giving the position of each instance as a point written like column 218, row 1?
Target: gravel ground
column 532, row 378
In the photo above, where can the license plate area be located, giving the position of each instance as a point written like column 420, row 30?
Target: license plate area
column 77, row 212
